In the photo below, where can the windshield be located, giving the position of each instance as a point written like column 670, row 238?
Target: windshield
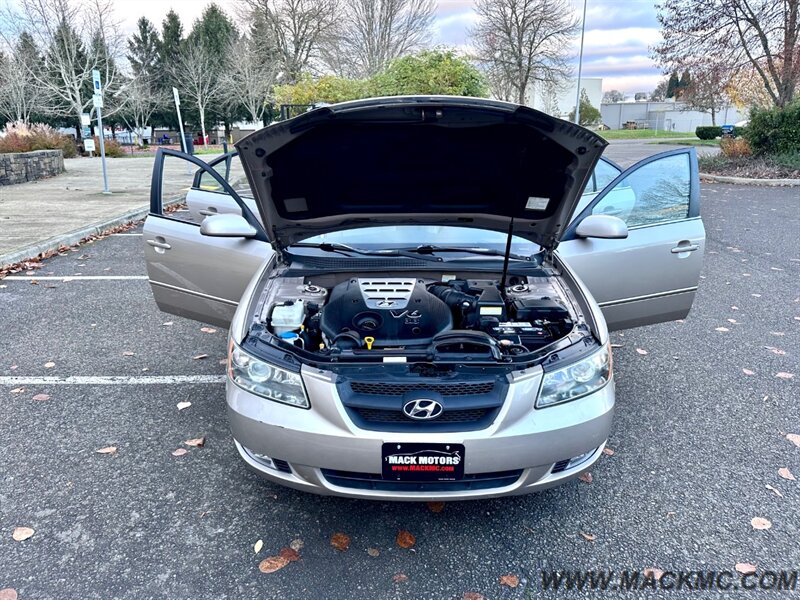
column 411, row 236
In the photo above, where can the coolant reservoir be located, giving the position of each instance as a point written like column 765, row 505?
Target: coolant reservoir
column 287, row 316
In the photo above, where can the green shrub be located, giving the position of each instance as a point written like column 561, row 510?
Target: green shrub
column 775, row 130
column 740, row 132
column 23, row 137
column 708, row 132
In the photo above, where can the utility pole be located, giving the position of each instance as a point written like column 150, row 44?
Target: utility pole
column 97, row 101
column 580, row 67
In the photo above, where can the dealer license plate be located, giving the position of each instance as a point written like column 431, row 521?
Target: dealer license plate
column 423, row 462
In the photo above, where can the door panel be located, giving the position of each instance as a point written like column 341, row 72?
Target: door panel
column 193, row 275
column 651, row 276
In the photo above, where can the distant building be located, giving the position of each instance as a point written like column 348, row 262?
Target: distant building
column 669, row 115
column 559, row 100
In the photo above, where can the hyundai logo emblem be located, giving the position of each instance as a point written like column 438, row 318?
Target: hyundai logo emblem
column 422, row 409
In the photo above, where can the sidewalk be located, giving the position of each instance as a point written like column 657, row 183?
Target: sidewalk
column 41, row 215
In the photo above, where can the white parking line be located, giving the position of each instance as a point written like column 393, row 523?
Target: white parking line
column 112, row 380
column 73, row 277
column 129, row 234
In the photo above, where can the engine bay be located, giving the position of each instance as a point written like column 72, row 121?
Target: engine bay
column 336, row 314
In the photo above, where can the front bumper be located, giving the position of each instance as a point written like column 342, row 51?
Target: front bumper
column 311, row 443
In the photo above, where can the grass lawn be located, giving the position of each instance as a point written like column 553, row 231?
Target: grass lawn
column 694, row 142
column 643, row 134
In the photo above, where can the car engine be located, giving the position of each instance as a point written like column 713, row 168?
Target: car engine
column 390, row 312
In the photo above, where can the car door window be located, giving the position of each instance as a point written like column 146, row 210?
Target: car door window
column 604, row 173
column 229, row 167
column 658, row 192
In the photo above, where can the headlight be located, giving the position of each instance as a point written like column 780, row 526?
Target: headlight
column 264, row 379
column 576, row 380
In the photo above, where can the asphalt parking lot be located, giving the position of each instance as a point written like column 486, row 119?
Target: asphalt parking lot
column 696, row 441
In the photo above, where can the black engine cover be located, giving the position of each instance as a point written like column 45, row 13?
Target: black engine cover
column 396, row 311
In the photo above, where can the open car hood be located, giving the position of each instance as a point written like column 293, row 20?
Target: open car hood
column 434, row 160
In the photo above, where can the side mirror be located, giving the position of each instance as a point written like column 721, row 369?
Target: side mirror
column 227, row 225
column 605, row 227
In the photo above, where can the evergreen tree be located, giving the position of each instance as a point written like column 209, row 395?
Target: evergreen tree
column 169, row 48
column 672, row 85
column 143, row 49
column 683, row 84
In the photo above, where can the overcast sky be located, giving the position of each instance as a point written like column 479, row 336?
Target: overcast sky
column 618, row 33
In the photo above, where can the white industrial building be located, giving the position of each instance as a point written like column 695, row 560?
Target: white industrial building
column 670, row 116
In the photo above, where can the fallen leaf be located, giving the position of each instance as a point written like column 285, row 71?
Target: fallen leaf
column 258, row 546
column 18, row 390
column 405, row 539
column 49, row 365
column 180, row 452
column 734, row 308
column 608, row 451
column 779, row 333
column 617, row 346
column 400, row 578
column 128, row 353
column 756, row 295
column 774, row 491
column 196, row 442
column 748, row 372
column 652, row 572
column 785, row 473
column 297, row 544
column 586, row 477
column 775, row 350
column 760, row 523
column 200, row 357
column 8, row 593
column 289, row 554
column 640, row 351
column 107, row 450
column 41, row 397
column 208, row 330
column 511, row 581
column 436, row 507
column 472, row 596
column 721, row 329
column 340, row 541
column 589, row 537
column 182, row 405
column 272, row 564
column 167, row 324
column 21, row 533
column 783, row 375
column 745, row 568
column 794, row 438
column 373, row 552
column 734, row 321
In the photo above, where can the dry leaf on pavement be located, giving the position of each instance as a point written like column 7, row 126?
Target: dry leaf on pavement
column 49, row 365
column 258, row 546
column 200, row 356
column 783, row 375
column 405, row 539
column 652, row 572
column 785, row 473
column 8, row 594
column 340, row 541
column 511, row 581
column 196, row 442
column 748, row 372
column 289, row 554
column 774, row 491
column 586, row 477
column 41, row 397
column 128, row 353
column 760, row 523
column 272, row 564
column 208, row 330
column 18, row 390
column 641, row 351
column 472, row 596
column 182, row 405
column 400, row 578
column 589, row 537
column 297, row 544
column 373, row 552
column 436, row 507
column 723, row 329
column 608, row 451
column 745, row 568
column 794, row 438
column 107, row 450
column 21, row 533
column 180, row 452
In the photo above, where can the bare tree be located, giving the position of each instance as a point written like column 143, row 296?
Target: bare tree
column 373, row 32
column 522, row 41
column 64, row 30
column 139, row 99
column 613, row 96
column 706, row 91
column 249, row 78
column 295, row 29
column 760, row 35
column 20, row 95
column 194, row 71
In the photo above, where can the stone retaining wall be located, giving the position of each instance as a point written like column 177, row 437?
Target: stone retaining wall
column 30, row 166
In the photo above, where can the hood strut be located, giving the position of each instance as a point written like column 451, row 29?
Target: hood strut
column 506, row 257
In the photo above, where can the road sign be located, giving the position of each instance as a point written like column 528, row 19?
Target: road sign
column 86, row 132
column 85, row 120
column 88, row 145
column 97, row 101
column 96, row 85
column 176, row 96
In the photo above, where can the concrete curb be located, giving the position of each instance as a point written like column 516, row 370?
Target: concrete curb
column 748, row 181
column 71, row 237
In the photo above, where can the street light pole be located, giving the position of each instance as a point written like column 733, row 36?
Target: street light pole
column 580, row 67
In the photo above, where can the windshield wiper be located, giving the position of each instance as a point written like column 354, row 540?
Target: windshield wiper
column 349, row 251
column 428, row 249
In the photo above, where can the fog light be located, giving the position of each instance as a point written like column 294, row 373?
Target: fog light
column 577, row 460
column 263, row 459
